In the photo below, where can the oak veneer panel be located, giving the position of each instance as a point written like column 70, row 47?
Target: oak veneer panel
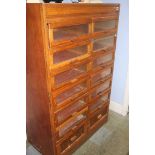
column 37, row 107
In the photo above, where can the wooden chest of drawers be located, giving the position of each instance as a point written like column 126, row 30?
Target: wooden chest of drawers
column 70, row 57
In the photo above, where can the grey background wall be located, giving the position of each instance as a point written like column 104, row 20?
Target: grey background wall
column 122, row 53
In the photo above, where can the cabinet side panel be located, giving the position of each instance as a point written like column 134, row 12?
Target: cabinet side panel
column 37, row 101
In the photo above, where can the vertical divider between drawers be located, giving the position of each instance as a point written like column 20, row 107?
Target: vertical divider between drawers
column 90, row 49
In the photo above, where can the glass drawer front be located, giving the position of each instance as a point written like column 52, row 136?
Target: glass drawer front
column 100, row 76
column 70, row 32
column 99, row 103
column 77, row 134
column 70, row 54
column 98, row 116
column 71, row 110
column 105, row 97
column 101, row 88
column 104, row 25
column 103, row 43
column 70, row 75
column 69, row 93
column 102, row 59
column 70, row 126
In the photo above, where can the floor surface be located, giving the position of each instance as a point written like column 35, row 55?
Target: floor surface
column 111, row 139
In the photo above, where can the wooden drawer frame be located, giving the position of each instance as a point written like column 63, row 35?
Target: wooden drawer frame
column 73, row 80
column 99, row 108
column 100, row 114
column 105, row 92
column 76, row 141
column 71, row 61
column 100, row 71
column 74, row 115
column 71, row 98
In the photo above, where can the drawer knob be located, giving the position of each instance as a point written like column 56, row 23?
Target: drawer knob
column 99, row 116
column 73, row 138
column 100, row 107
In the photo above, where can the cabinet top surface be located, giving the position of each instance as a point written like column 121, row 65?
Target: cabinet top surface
column 74, row 4
column 80, row 8
column 80, row 4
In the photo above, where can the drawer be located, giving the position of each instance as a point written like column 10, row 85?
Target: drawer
column 69, row 32
column 69, row 55
column 98, row 116
column 63, row 33
column 101, row 60
column 72, row 138
column 75, row 108
column 97, row 91
column 98, row 103
column 103, row 25
column 68, row 94
column 103, row 43
column 71, row 123
column 71, row 75
column 100, row 75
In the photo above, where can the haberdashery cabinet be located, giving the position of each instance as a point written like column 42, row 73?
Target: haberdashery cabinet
column 70, row 51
